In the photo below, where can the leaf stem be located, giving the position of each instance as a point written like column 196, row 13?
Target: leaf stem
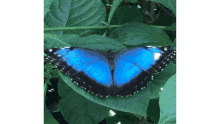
column 96, row 27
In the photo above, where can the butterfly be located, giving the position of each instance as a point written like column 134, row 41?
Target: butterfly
column 121, row 73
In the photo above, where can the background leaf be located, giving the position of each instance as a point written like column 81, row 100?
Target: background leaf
column 96, row 42
column 167, row 102
column 70, row 13
column 140, row 34
column 78, row 110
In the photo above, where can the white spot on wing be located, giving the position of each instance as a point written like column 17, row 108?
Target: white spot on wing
column 50, row 50
column 157, row 56
column 165, row 48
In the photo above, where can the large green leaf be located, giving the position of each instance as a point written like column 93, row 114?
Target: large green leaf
column 71, row 13
column 170, row 4
column 78, row 110
column 167, row 102
column 136, row 104
column 96, row 42
column 138, row 34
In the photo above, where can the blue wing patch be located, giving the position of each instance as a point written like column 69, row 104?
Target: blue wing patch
column 131, row 62
column 120, row 73
column 88, row 62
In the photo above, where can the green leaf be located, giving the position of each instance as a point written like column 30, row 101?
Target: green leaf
column 48, row 118
column 140, row 34
column 52, row 40
column 170, row 4
column 123, row 15
column 78, row 110
column 47, row 4
column 167, row 102
column 136, row 104
column 114, row 6
column 72, row 13
column 96, row 42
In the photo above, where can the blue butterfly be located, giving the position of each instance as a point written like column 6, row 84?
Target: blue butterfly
column 121, row 73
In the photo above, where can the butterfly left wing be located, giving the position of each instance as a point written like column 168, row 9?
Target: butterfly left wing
column 88, row 68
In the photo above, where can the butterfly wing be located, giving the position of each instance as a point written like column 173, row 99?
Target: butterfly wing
column 88, row 68
column 135, row 67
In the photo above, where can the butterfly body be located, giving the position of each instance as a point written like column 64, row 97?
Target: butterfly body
column 120, row 73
